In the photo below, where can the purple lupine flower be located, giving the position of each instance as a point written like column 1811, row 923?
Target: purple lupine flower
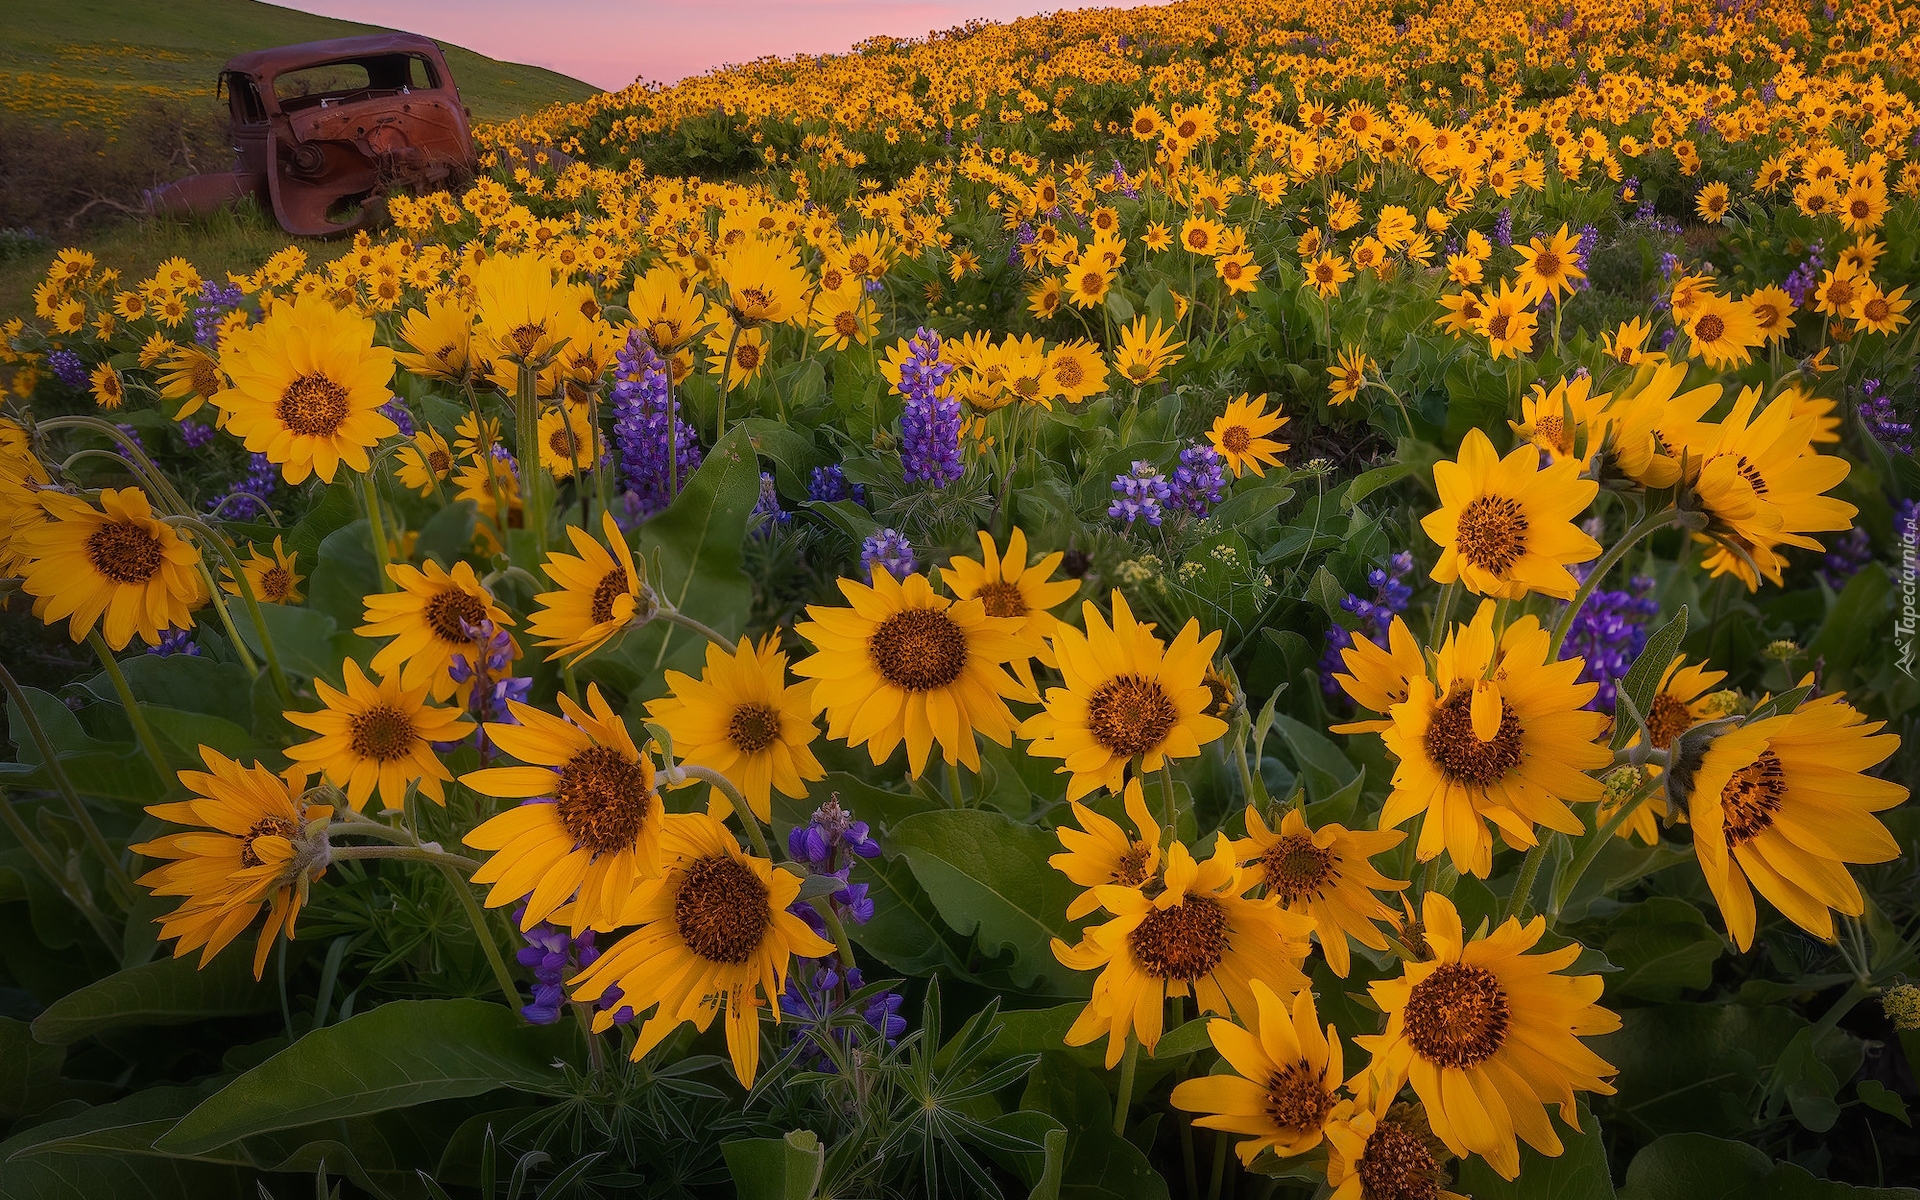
column 1804, row 278
column 767, row 512
column 1877, row 413
column 1503, row 228
column 490, row 667
column 1850, row 554
column 830, row 483
column 646, row 416
column 395, row 410
column 1121, row 181
column 1142, row 491
column 69, row 368
column 176, row 641
column 1583, row 254
column 1198, row 482
column 889, row 551
column 1609, row 633
column 828, row 837
column 828, row 844
column 930, row 426
column 261, row 482
column 551, row 954
column 196, row 435
column 1021, row 237
column 1391, row 595
column 215, row 302
column 132, row 435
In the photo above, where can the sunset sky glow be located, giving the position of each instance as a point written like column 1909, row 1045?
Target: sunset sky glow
column 609, row 42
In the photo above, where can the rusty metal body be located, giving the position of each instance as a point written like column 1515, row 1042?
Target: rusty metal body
column 323, row 130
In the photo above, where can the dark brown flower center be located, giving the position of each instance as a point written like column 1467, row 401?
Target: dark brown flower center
column 1297, row 1097
column 846, row 323
column 1497, row 325
column 439, row 461
column 268, row 826
column 382, row 733
column 1296, row 869
column 1840, row 294
column 446, row 611
column 753, row 727
column 526, row 337
column 125, row 552
column 721, row 910
column 602, row 798
column 747, row 355
column 1752, row 475
column 1454, row 747
column 1709, row 328
column 1236, row 439
column 275, row 583
column 1752, row 796
column 206, row 377
column 1068, row 373
column 1397, row 1164
column 1003, row 599
column 1130, row 714
column 1458, row 1016
column 1182, row 943
column 611, row 587
column 1667, row 719
column 313, row 406
column 1875, row 309
column 1492, row 533
column 1766, row 315
column 1546, row 264
column 918, row 649
column 1131, row 870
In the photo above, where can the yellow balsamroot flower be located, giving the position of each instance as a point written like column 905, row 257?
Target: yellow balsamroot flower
column 1550, row 266
column 440, row 338
column 1556, row 417
column 1507, row 321
column 749, row 354
column 1285, row 1083
column 743, row 719
column 1627, row 345
column 523, row 310
column 1045, row 297
column 378, row 735
column 1875, row 311
column 270, row 576
column 253, row 842
column 1712, row 203
column 190, row 377
column 1101, row 853
column 1682, row 701
column 1378, row 1149
column 843, row 318
column 713, row 932
column 1838, row 291
column 1240, row 435
column 307, row 387
column 1326, row 273
column 600, row 594
column 1464, row 312
column 117, row 566
column 667, row 308
column 904, row 664
column 568, row 440
column 1324, row 874
column 1782, row 805
column 1489, row 1035
column 1505, row 525
column 1772, row 311
column 1378, row 678
column 1011, row 587
column 1723, row 331
column 425, row 462
column 1498, row 735
column 596, row 828
column 765, row 282
column 1238, row 271
column 1127, row 696
column 430, row 619
column 1201, row 235
column 1642, row 431
column 1078, row 370
column 1349, row 373
column 1200, row 936
column 1088, row 283
column 1144, row 353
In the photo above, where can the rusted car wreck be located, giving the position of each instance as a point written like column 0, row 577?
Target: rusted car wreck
column 324, row 130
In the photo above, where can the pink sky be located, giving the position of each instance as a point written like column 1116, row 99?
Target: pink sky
column 609, row 42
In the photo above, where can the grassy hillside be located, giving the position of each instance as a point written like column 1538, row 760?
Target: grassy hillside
column 92, row 61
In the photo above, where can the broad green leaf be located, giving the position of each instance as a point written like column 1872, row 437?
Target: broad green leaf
column 1368, row 482
column 118, row 1176
column 1662, row 946
column 400, row 1054
column 344, row 574
column 1323, row 769
column 906, row 932
column 29, row 1071
column 782, row 1168
column 990, row 879
column 1693, row 1166
column 1643, row 677
column 1578, row 1174
column 167, row 991
column 1854, row 625
column 1100, row 1164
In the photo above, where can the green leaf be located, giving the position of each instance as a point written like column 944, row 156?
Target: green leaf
column 1854, row 624
column 989, row 878
column 1323, row 769
column 448, row 534
column 168, row 991
column 1368, row 482
column 91, row 1176
column 344, row 575
column 29, row 1071
column 1643, row 677
column 1578, row 1174
column 400, row 1054
column 782, row 1168
column 1100, row 1164
column 1662, row 946
column 1877, row 1095
column 1693, row 1166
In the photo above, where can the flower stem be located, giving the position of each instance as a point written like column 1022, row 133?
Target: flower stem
column 117, row 877
column 73, row 890
column 836, row 928
column 1590, row 848
column 377, row 529
column 674, row 616
column 1529, row 870
column 1167, row 800
column 439, row 858
column 724, row 786
column 726, row 384
column 219, row 543
column 1125, row 1099
column 141, row 730
column 478, row 919
column 1648, row 524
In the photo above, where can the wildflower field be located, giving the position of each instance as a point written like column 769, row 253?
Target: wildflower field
column 1221, row 600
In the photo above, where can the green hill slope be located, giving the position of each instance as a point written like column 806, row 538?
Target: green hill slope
column 92, row 61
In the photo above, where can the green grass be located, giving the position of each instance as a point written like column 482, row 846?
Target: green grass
column 92, row 60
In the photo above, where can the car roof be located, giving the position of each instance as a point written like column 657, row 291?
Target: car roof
column 307, row 54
